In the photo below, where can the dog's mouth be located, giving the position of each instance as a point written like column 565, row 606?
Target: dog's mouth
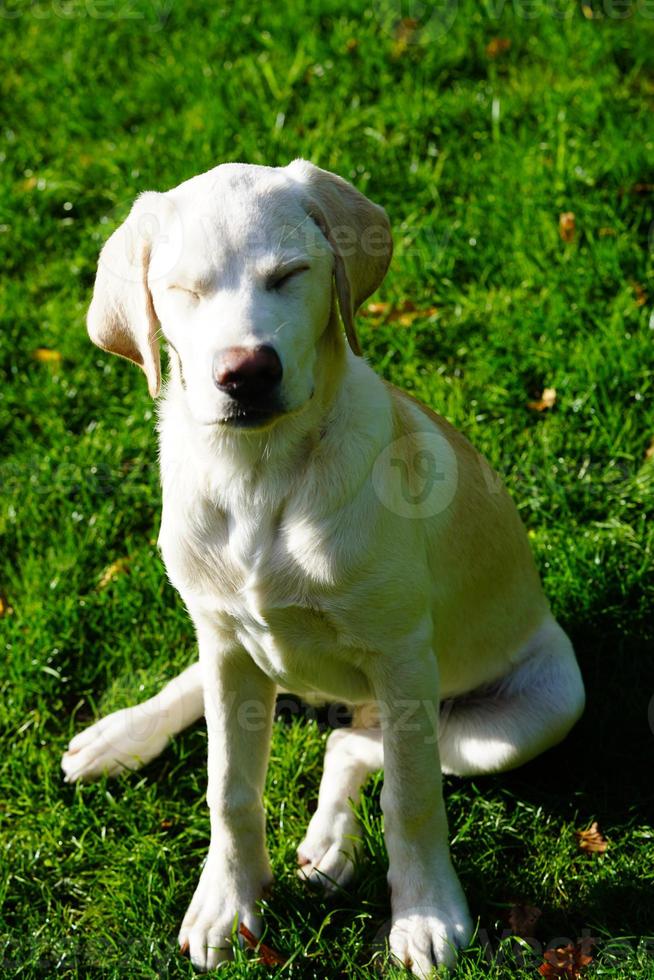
column 257, row 415
column 252, row 418
column 252, row 415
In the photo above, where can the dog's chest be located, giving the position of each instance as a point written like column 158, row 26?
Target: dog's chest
column 267, row 578
column 251, row 556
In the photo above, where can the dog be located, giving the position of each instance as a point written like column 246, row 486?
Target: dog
column 329, row 536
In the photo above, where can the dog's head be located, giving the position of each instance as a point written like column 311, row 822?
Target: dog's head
column 236, row 269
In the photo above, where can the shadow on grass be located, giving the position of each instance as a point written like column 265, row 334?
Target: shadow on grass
column 601, row 771
column 603, row 767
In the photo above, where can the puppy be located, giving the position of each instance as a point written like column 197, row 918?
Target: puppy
column 329, row 536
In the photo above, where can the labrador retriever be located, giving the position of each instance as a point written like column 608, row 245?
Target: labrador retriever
column 330, row 536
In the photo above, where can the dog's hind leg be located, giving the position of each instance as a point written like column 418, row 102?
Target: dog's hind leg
column 508, row 723
column 326, row 855
column 131, row 737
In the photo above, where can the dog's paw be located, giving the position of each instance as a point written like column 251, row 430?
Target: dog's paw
column 328, row 852
column 219, row 906
column 427, row 938
column 127, row 739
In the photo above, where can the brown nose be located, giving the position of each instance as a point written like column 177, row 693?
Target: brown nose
column 247, row 372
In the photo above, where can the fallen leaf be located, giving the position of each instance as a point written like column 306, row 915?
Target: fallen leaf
column 166, row 824
column 404, row 32
column 546, row 400
column 591, row 840
column 587, row 11
column 268, row 956
column 404, row 314
column 46, row 356
column 565, row 962
column 649, row 452
column 405, row 319
column 497, row 46
column 522, row 920
column 640, row 294
column 112, row 571
column 5, row 608
column 376, row 309
column 567, row 226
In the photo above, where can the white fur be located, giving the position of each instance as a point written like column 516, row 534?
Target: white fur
column 313, row 556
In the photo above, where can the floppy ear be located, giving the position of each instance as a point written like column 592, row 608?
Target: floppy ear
column 358, row 232
column 121, row 318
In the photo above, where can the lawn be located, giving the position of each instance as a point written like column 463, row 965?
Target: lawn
column 476, row 125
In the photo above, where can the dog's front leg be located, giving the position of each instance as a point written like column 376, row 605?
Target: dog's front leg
column 430, row 918
column 239, row 702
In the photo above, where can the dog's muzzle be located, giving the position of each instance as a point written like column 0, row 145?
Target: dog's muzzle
column 251, row 377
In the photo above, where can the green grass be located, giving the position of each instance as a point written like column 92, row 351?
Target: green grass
column 474, row 159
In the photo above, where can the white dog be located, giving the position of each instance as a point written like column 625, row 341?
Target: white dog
column 330, row 536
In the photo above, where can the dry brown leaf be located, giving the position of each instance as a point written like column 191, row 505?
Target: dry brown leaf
column 567, row 226
column 497, row 46
column 405, row 309
column 522, row 920
column 547, row 400
column 639, row 293
column 46, row 356
column 376, row 309
column 404, row 32
column 268, row 956
column 406, row 319
column 592, row 840
column 405, row 314
column 649, row 452
column 5, row 608
column 565, row 962
column 112, row 571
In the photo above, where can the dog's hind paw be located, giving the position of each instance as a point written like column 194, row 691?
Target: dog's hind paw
column 327, row 855
column 126, row 739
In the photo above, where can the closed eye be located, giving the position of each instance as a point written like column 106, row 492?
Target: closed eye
column 185, row 289
column 280, row 277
